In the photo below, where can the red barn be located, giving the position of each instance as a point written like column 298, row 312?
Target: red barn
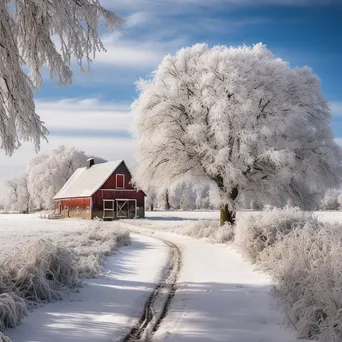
column 101, row 190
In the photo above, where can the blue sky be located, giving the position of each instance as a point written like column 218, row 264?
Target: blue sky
column 93, row 114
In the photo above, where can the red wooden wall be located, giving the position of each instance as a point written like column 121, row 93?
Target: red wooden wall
column 111, row 182
column 75, row 207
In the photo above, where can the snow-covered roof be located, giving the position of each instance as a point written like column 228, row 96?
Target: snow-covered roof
column 85, row 182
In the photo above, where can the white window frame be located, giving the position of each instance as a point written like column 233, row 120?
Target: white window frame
column 116, row 180
column 108, row 210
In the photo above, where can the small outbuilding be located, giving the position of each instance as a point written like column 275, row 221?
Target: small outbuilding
column 102, row 190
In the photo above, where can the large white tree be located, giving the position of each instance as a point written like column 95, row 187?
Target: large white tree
column 241, row 118
column 37, row 33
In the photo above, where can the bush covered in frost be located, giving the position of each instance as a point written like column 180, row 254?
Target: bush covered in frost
column 332, row 200
column 254, row 233
column 307, row 266
column 42, row 271
column 209, row 230
column 304, row 257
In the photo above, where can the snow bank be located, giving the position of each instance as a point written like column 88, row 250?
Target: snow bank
column 332, row 200
column 41, row 271
column 207, row 229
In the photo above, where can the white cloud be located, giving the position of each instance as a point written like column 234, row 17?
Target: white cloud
column 84, row 114
column 138, row 19
column 336, row 108
column 144, row 54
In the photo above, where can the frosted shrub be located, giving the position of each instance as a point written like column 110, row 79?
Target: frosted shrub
column 257, row 232
column 339, row 200
column 42, row 271
column 307, row 265
column 208, row 229
column 91, row 245
column 4, row 338
column 12, row 310
column 331, row 200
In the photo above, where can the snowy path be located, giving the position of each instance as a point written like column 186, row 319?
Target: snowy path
column 104, row 309
column 220, row 297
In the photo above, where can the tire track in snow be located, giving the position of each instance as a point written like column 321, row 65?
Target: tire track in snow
column 159, row 301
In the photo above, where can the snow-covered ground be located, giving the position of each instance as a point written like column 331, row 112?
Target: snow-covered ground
column 220, row 297
column 106, row 308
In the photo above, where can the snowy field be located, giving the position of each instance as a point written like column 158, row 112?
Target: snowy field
column 20, row 230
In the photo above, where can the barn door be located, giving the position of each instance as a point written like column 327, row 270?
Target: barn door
column 126, row 209
column 122, row 209
column 108, row 209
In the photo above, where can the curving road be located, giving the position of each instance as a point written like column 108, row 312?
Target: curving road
column 164, row 287
column 219, row 297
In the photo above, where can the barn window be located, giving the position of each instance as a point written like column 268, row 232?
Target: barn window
column 120, row 181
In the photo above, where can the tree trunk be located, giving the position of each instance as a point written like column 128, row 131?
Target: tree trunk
column 167, row 201
column 227, row 215
column 151, row 207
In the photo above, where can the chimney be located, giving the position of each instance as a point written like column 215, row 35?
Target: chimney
column 90, row 163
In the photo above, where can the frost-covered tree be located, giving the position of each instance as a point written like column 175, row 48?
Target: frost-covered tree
column 12, row 198
column 241, row 118
column 47, row 173
column 165, row 197
column 19, row 196
column 151, row 198
column 38, row 33
column 185, row 195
